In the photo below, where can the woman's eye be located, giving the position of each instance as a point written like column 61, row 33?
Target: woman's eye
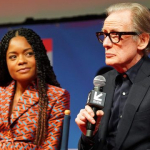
column 30, row 54
column 12, row 57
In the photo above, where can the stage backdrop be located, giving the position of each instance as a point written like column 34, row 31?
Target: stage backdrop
column 76, row 56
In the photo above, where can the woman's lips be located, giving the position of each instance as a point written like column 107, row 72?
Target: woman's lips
column 23, row 70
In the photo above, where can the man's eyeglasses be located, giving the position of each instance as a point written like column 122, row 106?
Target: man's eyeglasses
column 113, row 36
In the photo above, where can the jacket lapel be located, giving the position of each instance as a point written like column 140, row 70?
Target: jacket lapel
column 137, row 93
column 109, row 89
column 28, row 99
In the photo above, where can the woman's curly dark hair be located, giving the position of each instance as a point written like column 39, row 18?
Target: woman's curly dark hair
column 45, row 74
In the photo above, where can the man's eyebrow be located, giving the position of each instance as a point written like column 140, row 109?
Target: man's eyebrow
column 113, row 30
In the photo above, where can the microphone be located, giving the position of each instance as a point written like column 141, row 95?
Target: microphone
column 96, row 100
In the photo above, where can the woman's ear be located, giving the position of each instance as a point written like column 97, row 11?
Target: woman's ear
column 143, row 41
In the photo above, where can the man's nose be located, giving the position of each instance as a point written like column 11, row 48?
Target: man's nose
column 107, row 42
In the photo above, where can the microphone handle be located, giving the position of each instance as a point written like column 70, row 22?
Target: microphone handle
column 91, row 127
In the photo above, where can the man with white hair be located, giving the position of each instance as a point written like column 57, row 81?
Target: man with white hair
column 124, row 123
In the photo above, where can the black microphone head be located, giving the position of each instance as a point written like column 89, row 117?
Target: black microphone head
column 99, row 81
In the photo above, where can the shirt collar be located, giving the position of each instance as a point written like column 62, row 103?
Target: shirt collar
column 132, row 72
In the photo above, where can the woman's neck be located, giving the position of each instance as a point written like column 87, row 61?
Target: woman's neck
column 20, row 88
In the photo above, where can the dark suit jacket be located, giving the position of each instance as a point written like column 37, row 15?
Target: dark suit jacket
column 134, row 127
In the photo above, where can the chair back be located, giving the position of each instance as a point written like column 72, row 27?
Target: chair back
column 65, row 131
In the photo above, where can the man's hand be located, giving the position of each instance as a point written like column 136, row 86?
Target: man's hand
column 85, row 115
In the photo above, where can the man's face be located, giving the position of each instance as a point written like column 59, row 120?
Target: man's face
column 125, row 54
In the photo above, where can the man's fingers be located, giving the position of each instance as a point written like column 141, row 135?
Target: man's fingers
column 89, row 110
column 99, row 113
column 86, row 116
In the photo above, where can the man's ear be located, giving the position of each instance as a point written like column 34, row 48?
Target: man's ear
column 143, row 41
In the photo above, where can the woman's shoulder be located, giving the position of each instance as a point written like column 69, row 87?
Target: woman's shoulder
column 59, row 94
column 9, row 86
column 56, row 90
column 3, row 88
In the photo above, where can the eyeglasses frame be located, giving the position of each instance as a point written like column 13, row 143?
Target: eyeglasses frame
column 119, row 33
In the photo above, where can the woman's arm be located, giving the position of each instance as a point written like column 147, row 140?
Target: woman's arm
column 55, row 121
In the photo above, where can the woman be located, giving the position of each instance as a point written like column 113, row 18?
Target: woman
column 32, row 103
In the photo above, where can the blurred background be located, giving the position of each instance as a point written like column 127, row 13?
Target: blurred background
column 68, row 32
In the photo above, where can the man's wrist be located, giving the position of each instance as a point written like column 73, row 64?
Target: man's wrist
column 89, row 140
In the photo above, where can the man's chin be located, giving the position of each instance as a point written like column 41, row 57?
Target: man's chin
column 109, row 63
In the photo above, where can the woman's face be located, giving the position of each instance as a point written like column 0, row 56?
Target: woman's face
column 21, row 60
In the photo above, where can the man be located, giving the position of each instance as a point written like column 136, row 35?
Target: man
column 124, row 123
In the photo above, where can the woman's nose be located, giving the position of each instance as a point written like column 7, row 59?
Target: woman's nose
column 21, row 60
